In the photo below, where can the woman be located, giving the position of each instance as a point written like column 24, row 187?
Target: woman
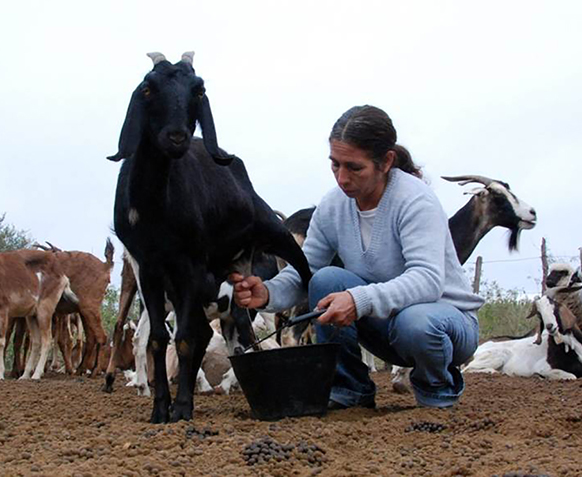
column 402, row 294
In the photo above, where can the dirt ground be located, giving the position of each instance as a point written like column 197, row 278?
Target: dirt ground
column 65, row 426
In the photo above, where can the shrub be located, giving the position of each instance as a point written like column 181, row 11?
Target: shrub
column 504, row 312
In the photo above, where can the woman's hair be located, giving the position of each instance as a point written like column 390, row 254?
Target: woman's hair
column 370, row 129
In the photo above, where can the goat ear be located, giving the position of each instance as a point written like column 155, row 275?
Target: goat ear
column 567, row 317
column 533, row 312
column 131, row 130
column 209, row 134
column 571, row 288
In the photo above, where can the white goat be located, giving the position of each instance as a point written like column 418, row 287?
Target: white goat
column 557, row 356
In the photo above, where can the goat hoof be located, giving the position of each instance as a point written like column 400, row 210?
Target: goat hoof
column 400, row 388
column 108, row 385
column 160, row 415
column 181, row 412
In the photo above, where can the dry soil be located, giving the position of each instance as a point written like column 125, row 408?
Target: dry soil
column 65, row 426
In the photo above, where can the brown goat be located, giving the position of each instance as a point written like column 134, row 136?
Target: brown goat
column 31, row 284
column 89, row 278
column 68, row 338
column 120, row 338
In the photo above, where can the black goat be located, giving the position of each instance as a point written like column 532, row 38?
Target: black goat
column 188, row 214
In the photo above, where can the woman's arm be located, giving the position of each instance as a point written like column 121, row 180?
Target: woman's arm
column 285, row 290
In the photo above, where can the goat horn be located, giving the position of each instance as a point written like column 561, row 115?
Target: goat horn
column 156, row 57
column 468, row 179
column 188, row 57
column 53, row 248
column 281, row 215
column 42, row 247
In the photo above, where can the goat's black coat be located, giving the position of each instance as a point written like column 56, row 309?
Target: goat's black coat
column 474, row 220
column 185, row 217
column 568, row 361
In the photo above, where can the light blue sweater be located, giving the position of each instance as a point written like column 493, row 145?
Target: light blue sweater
column 411, row 258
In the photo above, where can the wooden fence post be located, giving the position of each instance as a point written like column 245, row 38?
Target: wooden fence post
column 544, row 265
column 477, row 279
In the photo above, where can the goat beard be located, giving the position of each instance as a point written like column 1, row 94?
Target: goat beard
column 514, row 239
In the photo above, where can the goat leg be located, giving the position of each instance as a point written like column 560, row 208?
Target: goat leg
column 19, row 351
column 3, row 333
column 153, row 294
column 191, row 343
column 128, row 291
column 159, row 339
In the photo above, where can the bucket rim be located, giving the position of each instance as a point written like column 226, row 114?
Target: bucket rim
column 286, row 349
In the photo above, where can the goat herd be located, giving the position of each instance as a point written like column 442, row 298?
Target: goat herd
column 185, row 224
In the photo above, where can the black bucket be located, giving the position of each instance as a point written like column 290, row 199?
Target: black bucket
column 287, row 382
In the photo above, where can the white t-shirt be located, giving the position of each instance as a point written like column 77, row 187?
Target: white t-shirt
column 366, row 218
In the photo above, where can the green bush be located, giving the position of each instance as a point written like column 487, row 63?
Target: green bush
column 12, row 238
column 504, row 312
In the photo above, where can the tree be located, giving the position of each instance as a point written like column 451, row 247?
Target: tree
column 110, row 309
column 11, row 238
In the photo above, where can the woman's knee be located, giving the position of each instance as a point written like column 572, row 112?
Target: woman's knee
column 415, row 331
column 414, row 322
column 330, row 280
column 331, row 277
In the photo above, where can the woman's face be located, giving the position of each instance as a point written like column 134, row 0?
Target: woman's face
column 357, row 175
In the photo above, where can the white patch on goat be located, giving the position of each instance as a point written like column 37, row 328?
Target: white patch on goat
column 140, row 341
column 368, row 359
column 212, row 310
column 264, row 322
column 546, row 310
column 202, row 384
column 69, row 294
column 521, row 209
column 228, row 383
column 133, row 216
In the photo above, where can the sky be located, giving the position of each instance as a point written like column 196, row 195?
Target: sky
column 489, row 88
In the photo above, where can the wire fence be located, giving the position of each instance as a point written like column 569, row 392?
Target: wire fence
column 554, row 258
column 475, row 269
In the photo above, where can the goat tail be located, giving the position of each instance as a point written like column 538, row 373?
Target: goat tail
column 68, row 294
column 109, row 250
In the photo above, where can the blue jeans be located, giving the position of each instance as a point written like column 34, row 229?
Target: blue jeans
column 432, row 338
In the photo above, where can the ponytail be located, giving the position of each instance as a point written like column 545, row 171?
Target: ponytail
column 404, row 161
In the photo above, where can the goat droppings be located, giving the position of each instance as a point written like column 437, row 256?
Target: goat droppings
column 269, row 450
column 202, row 434
column 425, row 426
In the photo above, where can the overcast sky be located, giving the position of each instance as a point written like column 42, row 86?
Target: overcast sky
column 491, row 88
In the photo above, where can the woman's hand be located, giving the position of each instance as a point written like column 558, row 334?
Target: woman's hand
column 249, row 292
column 341, row 309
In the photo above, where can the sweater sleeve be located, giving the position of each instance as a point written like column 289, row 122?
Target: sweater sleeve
column 285, row 289
column 422, row 227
